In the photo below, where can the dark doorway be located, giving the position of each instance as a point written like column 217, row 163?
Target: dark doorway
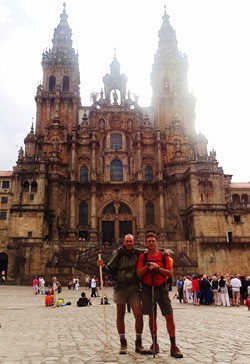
column 125, row 227
column 83, row 235
column 108, row 231
column 3, row 262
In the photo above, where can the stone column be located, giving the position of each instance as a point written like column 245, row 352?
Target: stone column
column 161, row 204
column 93, row 208
column 140, row 208
column 139, row 159
column 159, row 156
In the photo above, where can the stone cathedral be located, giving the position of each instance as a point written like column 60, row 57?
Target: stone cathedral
column 87, row 175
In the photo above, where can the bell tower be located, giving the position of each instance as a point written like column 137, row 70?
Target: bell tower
column 58, row 97
column 169, row 81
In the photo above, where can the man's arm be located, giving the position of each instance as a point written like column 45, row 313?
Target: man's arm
column 110, row 267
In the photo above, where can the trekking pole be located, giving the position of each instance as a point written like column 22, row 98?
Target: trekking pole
column 104, row 307
column 153, row 314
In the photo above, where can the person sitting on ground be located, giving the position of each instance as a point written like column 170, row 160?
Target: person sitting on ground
column 106, row 300
column 49, row 299
column 83, row 301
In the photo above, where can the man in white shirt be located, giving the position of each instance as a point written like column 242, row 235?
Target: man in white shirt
column 236, row 284
column 93, row 287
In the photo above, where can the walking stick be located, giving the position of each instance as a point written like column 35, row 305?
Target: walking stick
column 153, row 314
column 104, row 306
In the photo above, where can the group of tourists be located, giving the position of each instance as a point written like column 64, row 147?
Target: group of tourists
column 73, row 283
column 223, row 290
column 38, row 285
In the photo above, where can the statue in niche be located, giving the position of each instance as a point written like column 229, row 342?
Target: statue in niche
column 192, row 157
column 213, row 155
column 115, row 97
column 130, row 125
column 101, row 125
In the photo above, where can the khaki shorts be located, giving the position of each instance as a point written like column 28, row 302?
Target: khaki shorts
column 123, row 295
column 161, row 297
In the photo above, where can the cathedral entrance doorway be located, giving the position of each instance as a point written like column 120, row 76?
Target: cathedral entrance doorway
column 108, row 231
column 125, row 227
column 116, row 222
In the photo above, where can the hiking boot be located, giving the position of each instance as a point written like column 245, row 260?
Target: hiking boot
column 151, row 350
column 123, row 349
column 139, row 348
column 175, row 352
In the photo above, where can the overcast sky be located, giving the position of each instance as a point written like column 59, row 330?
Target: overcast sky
column 213, row 33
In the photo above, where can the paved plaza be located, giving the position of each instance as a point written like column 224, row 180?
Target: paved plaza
column 31, row 333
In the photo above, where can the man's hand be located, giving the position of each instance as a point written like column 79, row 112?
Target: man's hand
column 100, row 263
column 153, row 266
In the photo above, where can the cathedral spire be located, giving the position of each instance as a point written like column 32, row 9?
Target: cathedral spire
column 115, row 66
column 62, row 34
column 167, row 45
column 169, row 79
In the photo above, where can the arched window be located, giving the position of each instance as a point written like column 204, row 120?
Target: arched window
column 66, row 83
column 25, row 186
column 150, row 213
column 52, row 84
column 244, row 198
column 83, row 214
column 84, row 174
column 116, row 171
column 109, row 210
column 148, row 174
column 115, row 142
column 33, row 186
column 236, row 198
column 123, row 209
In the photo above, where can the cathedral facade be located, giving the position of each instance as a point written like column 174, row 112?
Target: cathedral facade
column 90, row 174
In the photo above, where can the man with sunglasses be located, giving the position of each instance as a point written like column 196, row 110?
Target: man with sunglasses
column 122, row 268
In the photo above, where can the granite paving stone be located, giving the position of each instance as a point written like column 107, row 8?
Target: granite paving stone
column 31, row 333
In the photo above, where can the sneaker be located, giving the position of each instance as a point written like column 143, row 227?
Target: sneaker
column 139, row 348
column 123, row 349
column 175, row 352
column 157, row 349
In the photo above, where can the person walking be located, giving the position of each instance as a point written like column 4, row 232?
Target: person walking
column 179, row 286
column 122, row 268
column 35, row 285
column 41, row 285
column 93, row 286
column 153, row 267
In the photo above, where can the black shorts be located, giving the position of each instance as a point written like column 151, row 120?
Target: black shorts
column 161, row 297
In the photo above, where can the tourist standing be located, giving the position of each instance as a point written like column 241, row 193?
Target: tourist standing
column 122, row 268
column 153, row 271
